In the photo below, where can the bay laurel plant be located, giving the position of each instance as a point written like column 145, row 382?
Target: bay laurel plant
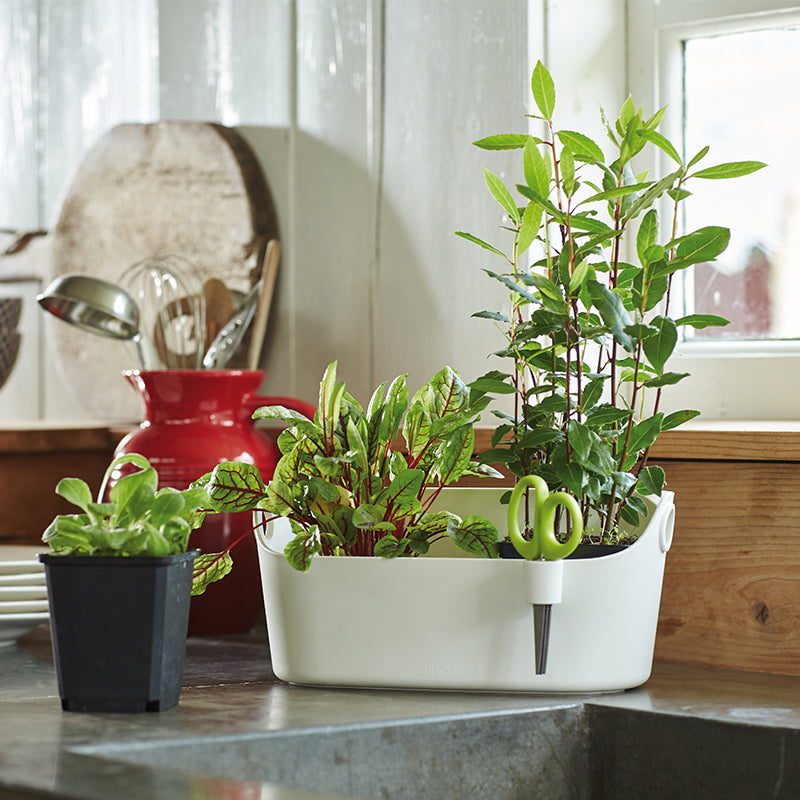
column 590, row 268
column 361, row 482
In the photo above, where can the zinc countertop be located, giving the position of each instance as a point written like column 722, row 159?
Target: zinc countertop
column 231, row 705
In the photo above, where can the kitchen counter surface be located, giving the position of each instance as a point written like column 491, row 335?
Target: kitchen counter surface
column 739, row 731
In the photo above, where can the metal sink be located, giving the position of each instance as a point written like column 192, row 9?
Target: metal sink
column 580, row 750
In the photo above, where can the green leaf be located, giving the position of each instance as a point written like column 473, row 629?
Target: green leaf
column 626, row 114
column 289, row 416
column 529, row 226
column 501, row 194
column 235, row 486
column 208, row 568
column 571, row 477
column 701, row 154
column 281, row 498
column 643, row 434
column 579, row 275
column 624, row 480
column 499, row 455
column 544, row 285
column 567, row 163
column 542, row 200
column 658, row 347
column 444, row 394
column 495, row 315
column 732, row 169
column 368, row 515
column 651, row 481
column 330, row 401
column 485, row 245
column 503, row 141
column 699, row 321
column 390, row 546
column 514, row 286
column 300, row 550
column 544, row 91
column 591, row 393
column 665, row 379
column 662, row 142
column 404, row 489
column 536, row 168
column 76, row 491
column 647, row 235
column 455, row 456
column 580, row 439
column 581, row 145
column 396, row 407
column 609, row 306
column 493, row 385
column 474, row 535
column 677, row 418
column 606, row 415
column 128, row 489
column 618, row 191
column 702, row 245
column 168, row 503
column 647, row 198
column 678, row 194
column 634, row 508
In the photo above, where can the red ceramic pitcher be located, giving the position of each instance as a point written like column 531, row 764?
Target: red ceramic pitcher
column 193, row 420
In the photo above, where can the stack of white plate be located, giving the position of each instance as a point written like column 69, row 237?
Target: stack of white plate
column 23, row 594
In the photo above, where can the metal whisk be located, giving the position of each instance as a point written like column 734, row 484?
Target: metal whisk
column 171, row 304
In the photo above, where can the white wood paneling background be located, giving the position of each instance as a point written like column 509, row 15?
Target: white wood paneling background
column 362, row 113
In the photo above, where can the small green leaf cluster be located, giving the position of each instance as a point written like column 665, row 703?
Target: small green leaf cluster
column 589, row 333
column 137, row 520
column 350, row 486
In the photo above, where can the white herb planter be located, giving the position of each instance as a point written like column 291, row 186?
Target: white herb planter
column 464, row 623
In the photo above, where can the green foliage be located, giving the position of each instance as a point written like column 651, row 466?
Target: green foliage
column 139, row 519
column 346, row 486
column 588, row 336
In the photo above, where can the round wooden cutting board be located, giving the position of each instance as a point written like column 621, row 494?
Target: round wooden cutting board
column 188, row 189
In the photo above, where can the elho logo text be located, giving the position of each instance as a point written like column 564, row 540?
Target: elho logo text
column 431, row 670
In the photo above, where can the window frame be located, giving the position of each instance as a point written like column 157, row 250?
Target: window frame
column 747, row 379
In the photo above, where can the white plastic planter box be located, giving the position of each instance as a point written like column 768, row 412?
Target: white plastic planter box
column 463, row 623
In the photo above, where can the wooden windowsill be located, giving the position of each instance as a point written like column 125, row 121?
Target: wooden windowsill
column 44, row 437
column 696, row 441
column 717, row 441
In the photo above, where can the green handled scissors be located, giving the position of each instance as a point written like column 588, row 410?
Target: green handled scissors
column 544, row 544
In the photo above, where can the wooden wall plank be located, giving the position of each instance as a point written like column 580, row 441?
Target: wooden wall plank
column 738, row 441
column 19, row 57
column 731, row 595
column 428, row 281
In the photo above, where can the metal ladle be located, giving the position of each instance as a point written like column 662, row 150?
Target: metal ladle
column 99, row 307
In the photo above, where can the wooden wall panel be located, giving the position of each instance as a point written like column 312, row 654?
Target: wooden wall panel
column 31, row 464
column 731, row 595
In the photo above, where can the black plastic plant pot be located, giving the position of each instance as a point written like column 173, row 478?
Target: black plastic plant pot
column 118, row 626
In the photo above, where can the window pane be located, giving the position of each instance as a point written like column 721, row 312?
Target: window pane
column 739, row 99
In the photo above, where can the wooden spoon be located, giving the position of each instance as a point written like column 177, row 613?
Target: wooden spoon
column 219, row 307
column 259, row 328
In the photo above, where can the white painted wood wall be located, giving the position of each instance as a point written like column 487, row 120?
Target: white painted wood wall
column 362, row 113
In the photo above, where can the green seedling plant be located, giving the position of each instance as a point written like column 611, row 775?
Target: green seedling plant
column 345, row 485
column 138, row 519
column 588, row 335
